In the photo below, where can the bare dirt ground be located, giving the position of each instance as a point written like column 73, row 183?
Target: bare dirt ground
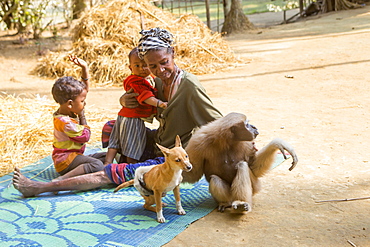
column 322, row 110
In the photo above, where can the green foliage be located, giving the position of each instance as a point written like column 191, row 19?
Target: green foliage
column 286, row 5
column 36, row 15
column 216, row 7
column 7, row 8
column 24, row 15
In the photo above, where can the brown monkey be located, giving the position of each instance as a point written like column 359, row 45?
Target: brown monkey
column 224, row 151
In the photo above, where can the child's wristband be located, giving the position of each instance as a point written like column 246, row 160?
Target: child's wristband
column 84, row 79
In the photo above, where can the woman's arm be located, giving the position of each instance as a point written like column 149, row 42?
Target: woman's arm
column 128, row 99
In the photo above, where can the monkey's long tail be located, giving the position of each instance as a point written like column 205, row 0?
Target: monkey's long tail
column 124, row 185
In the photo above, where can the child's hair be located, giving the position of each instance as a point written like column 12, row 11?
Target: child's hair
column 134, row 51
column 67, row 88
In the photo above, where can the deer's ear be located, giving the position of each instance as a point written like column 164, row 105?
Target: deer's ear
column 164, row 150
column 178, row 141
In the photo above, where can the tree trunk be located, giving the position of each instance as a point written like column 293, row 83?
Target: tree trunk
column 337, row 5
column 236, row 21
column 226, row 4
column 78, row 7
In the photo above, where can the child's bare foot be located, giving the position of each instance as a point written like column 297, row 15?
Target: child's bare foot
column 26, row 186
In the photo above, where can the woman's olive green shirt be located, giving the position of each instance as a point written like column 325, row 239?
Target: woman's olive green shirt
column 188, row 109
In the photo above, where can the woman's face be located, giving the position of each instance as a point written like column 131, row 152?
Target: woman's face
column 160, row 63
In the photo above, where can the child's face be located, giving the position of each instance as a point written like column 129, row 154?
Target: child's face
column 138, row 66
column 78, row 104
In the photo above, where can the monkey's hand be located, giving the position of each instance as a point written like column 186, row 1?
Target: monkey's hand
column 285, row 146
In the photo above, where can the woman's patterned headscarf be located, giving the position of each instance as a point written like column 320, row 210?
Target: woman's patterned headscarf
column 154, row 38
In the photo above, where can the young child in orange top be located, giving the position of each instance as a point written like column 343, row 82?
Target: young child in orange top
column 128, row 135
column 70, row 127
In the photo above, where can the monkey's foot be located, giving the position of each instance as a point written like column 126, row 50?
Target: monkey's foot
column 241, row 206
column 222, row 206
column 26, row 186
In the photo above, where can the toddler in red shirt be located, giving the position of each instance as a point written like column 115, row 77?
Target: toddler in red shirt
column 128, row 136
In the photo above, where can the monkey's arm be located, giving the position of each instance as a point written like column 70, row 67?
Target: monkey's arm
column 196, row 173
column 266, row 156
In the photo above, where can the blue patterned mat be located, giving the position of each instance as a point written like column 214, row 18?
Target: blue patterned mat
column 94, row 218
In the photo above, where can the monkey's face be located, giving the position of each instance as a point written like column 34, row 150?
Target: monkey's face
column 243, row 131
column 251, row 128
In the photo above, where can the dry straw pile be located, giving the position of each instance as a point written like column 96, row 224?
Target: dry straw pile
column 26, row 129
column 105, row 35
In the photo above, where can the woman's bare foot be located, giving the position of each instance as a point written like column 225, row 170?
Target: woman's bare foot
column 26, row 186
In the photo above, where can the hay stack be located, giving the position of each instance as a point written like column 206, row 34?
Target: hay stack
column 26, row 129
column 105, row 35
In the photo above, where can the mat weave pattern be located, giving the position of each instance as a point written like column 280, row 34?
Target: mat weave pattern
column 93, row 218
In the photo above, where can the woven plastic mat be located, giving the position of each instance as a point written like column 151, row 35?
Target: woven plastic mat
column 93, row 218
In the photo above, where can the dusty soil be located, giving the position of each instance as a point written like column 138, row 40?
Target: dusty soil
column 305, row 82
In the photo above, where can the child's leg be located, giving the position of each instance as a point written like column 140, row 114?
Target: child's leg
column 130, row 169
column 131, row 160
column 99, row 155
column 112, row 152
column 79, row 170
column 106, row 132
column 150, row 147
column 149, row 151
column 84, row 182
column 114, row 141
column 132, row 138
column 114, row 173
column 120, row 173
column 82, row 164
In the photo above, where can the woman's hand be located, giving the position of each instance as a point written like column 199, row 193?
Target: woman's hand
column 128, row 99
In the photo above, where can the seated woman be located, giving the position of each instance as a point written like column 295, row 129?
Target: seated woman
column 189, row 107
